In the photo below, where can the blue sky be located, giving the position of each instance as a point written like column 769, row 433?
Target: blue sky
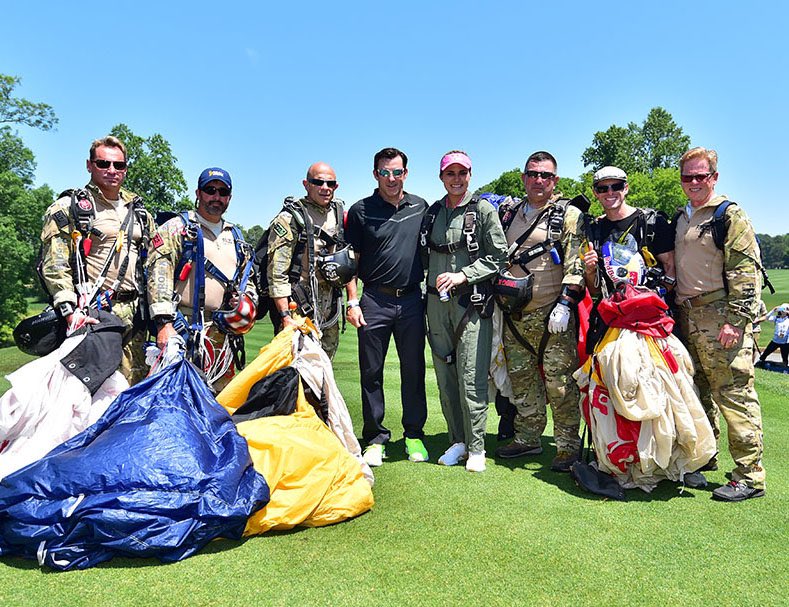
column 265, row 89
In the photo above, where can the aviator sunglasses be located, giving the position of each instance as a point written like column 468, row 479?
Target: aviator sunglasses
column 332, row 183
column 543, row 174
column 616, row 187
column 119, row 165
column 211, row 190
column 387, row 172
column 691, row 178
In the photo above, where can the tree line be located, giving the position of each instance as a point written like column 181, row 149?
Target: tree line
column 648, row 152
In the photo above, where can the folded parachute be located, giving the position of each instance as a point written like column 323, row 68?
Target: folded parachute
column 638, row 398
column 162, row 473
column 314, row 472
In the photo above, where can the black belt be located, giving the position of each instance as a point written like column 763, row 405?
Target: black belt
column 453, row 292
column 392, row 291
column 124, row 296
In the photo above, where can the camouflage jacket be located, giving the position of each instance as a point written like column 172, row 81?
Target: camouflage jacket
column 702, row 267
column 58, row 246
column 282, row 244
column 166, row 292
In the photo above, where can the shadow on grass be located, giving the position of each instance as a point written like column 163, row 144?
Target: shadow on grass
column 130, row 562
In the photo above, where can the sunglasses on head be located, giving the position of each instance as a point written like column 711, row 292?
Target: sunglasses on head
column 394, row 172
column 332, row 183
column 119, row 165
column 691, row 178
column 543, row 174
column 615, row 187
column 211, row 190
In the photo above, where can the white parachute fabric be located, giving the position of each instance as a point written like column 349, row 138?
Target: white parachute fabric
column 315, row 369
column 46, row 405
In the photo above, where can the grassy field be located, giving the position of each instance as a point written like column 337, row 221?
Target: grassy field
column 516, row 535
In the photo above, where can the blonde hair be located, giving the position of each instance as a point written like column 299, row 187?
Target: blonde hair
column 108, row 141
column 711, row 156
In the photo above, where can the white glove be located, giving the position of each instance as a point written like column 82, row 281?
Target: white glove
column 560, row 316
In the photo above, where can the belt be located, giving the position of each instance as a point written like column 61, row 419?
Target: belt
column 392, row 291
column 703, row 299
column 124, row 296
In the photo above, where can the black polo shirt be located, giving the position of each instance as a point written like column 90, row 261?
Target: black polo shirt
column 387, row 240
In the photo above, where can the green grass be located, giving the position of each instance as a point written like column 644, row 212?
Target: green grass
column 515, row 535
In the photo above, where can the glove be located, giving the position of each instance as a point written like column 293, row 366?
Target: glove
column 560, row 316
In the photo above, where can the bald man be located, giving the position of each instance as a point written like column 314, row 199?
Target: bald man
column 291, row 276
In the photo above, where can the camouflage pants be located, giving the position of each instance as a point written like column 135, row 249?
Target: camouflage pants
column 133, row 365
column 532, row 392
column 725, row 382
column 330, row 340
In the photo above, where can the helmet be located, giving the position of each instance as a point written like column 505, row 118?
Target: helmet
column 41, row 334
column 240, row 319
column 512, row 293
column 623, row 264
column 339, row 267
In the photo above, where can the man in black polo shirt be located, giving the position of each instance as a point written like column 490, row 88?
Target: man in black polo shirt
column 384, row 231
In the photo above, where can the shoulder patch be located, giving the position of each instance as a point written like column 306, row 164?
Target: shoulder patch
column 157, row 241
column 61, row 219
column 280, row 230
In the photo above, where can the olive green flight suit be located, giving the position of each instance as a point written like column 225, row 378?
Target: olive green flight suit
column 463, row 384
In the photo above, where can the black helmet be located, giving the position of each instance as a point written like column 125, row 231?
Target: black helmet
column 340, row 267
column 512, row 293
column 41, row 334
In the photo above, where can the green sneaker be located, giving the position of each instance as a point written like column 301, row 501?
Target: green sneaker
column 374, row 455
column 415, row 449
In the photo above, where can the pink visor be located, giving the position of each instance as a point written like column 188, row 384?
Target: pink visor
column 455, row 158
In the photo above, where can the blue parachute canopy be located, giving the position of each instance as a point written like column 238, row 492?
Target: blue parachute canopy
column 162, row 473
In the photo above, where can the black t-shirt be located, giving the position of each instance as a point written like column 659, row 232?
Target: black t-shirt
column 387, row 240
column 635, row 224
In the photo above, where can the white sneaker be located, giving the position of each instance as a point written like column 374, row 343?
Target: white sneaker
column 453, row 455
column 476, row 462
column 374, row 455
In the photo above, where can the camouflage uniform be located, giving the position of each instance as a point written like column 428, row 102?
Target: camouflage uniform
column 166, row 295
column 533, row 388
column 281, row 248
column 57, row 251
column 463, row 385
column 706, row 302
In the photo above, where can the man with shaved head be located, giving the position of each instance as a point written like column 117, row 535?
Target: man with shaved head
column 306, row 229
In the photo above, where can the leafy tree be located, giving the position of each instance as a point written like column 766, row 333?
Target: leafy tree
column 15, row 157
column 153, row 172
column 21, row 206
column 507, row 184
column 16, row 110
column 253, row 234
column 774, row 250
column 21, row 209
column 658, row 143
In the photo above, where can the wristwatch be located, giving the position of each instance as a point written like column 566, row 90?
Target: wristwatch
column 353, row 303
column 284, row 313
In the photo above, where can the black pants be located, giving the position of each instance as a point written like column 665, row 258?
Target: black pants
column 403, row 317
column 772, row 347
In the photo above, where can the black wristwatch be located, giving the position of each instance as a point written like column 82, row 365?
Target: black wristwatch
column 284, row 313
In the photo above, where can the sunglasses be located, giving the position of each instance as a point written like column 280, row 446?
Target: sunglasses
column 616, row 187
column 332, row 183
column 691, row 178
column 394, row 172
column 119, row 165
column 543, row 174
column 211, row 190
